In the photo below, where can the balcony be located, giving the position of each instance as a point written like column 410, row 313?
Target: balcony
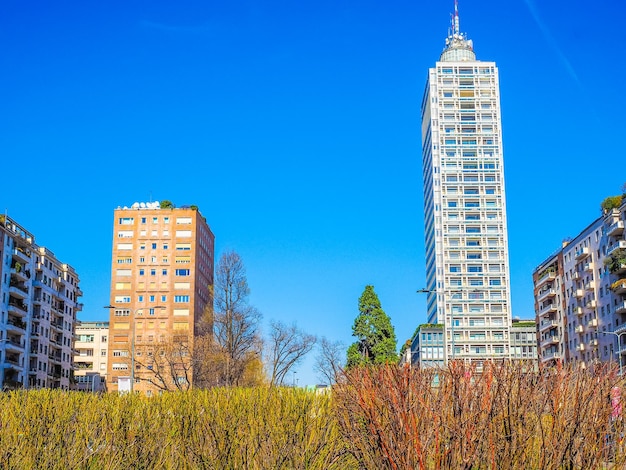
column 580, row 347
column 547, row 324
column 20, row 255
column 593, row 343
column 588, row 267
column 579, row 293
column 577, row 310
column 591, row 304
column 547, row 277
column 16, row 325
column 615, row 229
column 14, row 344
column 17, row 308
column 550, row 355
column 621, row 307
column 589, row 286
column 18, row 289
column 550, row 341
column 576, row 276
column 616, row 246
column 18, row 272
column 579, row 329
column 545, row 294
column 619, row 287
column 582, row 253
column 592, row 323
column 549, row 308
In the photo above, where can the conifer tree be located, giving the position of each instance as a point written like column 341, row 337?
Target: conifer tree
column 376, row 338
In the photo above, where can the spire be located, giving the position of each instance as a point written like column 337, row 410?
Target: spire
column 458, row 47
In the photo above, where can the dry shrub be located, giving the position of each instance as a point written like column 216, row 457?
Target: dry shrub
column 255, row 428
column 505, row 417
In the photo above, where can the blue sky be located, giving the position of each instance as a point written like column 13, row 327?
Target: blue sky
column 295, row 127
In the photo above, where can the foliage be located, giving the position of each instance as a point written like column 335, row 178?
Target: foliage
column 376, row 337
column 286, row 347
column 235, row 322
column 258, row 428
column 167, row 205
column 610, row 203
column 505, row 417
column 616, row 260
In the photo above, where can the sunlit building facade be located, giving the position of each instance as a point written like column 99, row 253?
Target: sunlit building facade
column 467, row 265
column 161, row 283
column 39, row 297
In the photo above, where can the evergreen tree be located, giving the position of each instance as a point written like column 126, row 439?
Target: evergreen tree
column 376, row 337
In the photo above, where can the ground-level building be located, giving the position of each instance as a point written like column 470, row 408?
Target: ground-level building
column 90, row 361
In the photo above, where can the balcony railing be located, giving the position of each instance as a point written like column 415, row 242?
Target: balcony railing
column 592, row 323
column 549, row 276
column 616, row 229
column 619, row 245
column 582, row 252
column 546, row 293
column 621, row 307
column 591, row 304
column 577, row 310
column 547, row 324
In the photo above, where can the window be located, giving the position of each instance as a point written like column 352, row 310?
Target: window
column 126, row 220
column 143, row 220
column 152, row 298
column 164, row 272
column 154, row 246
column 141, row 272
column 165, row 246
column 163, row 298
column 155, row 220
column 181, row 298
column 153, row 272
column 182, row 272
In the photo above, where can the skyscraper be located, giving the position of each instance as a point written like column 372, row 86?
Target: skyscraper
column 467, row 266
column 161, row 283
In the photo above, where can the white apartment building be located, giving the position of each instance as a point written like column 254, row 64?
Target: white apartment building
column 467, row 265
column 580, row 295
column 90, row 360
column 39, row 302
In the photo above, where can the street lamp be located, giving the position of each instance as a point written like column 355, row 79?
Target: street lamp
column 436, row 291
column 132, row 341
column 618, row 335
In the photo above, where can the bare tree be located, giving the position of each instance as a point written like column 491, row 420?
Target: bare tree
column 165, row 364
column 329, row 360
column 235, row 322
column 287, row 346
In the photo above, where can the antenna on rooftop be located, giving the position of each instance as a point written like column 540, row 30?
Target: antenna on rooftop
column 457, row 29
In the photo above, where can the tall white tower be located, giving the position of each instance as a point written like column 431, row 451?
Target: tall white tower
column 467, row 261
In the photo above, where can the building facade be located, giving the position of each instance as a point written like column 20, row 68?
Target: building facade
column 161, row 283
column 467, row 266
column 40, row 300
column 580, row 295
column 91, row 352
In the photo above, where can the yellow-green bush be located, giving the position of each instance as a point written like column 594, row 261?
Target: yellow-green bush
column 257, row 428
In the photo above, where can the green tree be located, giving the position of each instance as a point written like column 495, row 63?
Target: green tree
column 376, row 337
